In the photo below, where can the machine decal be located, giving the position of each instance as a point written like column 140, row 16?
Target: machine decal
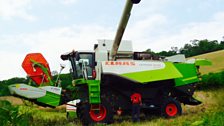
column 26, row 91
column 122, row 67
column 120, row 63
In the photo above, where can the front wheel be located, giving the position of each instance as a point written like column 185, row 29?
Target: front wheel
column 103, row 115
column 170, row 108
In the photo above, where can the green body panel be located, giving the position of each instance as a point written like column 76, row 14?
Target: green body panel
column 202, row 62
column 94, row 92
column 189, row 72
column 93, row 88
column 51, row 99
column 169, row 72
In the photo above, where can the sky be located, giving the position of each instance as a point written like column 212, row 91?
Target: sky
column 54, row 27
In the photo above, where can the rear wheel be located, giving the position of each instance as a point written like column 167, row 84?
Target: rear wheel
column 170, row 108
column 103, row 115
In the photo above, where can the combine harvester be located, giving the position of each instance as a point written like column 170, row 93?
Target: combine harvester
column 106, row 78
column 109, row 75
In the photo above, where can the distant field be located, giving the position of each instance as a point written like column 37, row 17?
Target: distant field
column 217, row 59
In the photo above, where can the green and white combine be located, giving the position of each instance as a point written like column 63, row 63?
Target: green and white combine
column 109, row 75
column 106, row 77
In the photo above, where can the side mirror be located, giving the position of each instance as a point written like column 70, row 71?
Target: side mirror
column 62, row 66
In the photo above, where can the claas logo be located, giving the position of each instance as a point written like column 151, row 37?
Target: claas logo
column 120, row 63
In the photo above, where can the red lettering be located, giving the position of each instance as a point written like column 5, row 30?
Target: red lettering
column 132, row 63
column 112, row 63
column 118, row 63
column 23, row 89
column 107, row 63
column 126, row 63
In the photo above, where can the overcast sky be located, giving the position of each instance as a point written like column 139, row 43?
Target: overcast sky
column 54, row 27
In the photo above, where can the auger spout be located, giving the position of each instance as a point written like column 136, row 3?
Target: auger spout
column 121, row 27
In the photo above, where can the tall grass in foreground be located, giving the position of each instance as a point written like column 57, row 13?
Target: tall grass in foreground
column 11, row 116
column 209, row 113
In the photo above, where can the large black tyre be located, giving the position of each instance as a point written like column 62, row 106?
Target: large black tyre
column 170, row 108
column 89, row 117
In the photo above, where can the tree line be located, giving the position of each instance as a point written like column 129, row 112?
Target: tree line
column 195, row 47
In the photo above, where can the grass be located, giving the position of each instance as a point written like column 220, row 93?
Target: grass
column 47, row 116
column 217, row 62
column 209, row 113
column 13, row 100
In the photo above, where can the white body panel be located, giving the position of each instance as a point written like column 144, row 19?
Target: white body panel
column 31, row 92
column 125, row 46
column 71, row 105
column 122, row 67
column 103, row 49
column 27, row 91
column 176, row 58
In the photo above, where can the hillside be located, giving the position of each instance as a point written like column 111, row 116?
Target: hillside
column 217, row 59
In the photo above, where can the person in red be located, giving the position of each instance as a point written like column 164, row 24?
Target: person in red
column 136, row 100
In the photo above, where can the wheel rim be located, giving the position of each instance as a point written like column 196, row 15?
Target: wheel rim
column 171, row 109
column 98, row 115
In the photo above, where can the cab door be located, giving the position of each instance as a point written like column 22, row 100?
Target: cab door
column 90, row 56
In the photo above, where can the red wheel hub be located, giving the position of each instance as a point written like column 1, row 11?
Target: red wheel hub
column 98, row 115
column 171, row 109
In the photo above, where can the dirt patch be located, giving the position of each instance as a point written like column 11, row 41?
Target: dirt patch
column 13, row 100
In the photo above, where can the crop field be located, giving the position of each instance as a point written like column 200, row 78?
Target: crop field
column 210, row 112
column 217, row 61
